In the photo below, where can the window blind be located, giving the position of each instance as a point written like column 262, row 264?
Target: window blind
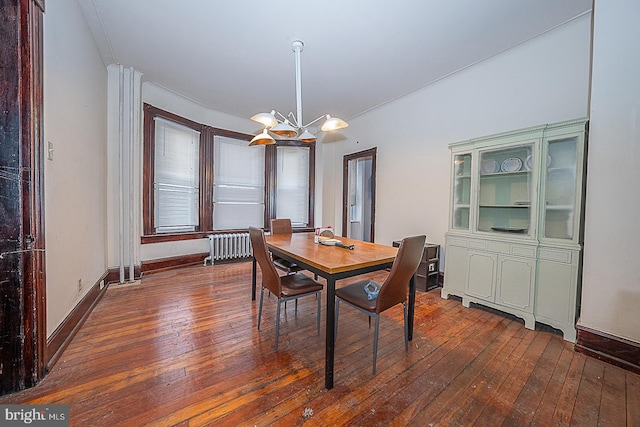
column 239, row 184
column 176, row 177
column 292, row 189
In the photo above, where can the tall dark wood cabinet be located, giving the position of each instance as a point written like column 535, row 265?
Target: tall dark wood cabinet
column 22, row 281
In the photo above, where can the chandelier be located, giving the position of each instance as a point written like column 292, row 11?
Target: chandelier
column 292, row 126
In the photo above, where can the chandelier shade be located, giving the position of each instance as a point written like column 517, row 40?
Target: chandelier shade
column 284, row 129
column 267, row 119
column 262, row 139
column 306, row 136
column 292, row 126
column 333, row 123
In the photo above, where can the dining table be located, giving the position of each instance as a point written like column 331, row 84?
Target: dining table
column 334, row 263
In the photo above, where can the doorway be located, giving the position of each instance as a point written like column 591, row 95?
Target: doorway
column 359, row 195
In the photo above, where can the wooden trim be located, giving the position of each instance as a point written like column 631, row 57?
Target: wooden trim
column 609, row 348
column 65, row 332
column 154, row 266
column 113, row 274
column 372, row 152
column 22, row 267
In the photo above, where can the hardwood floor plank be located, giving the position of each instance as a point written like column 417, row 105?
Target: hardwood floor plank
column 525, row 405
column 613, row 409
column 502, row 401
column 182, row 348
column 546, row 408
column 567, row 398
column 589, row 394
column 632, row 398
column 475, row 379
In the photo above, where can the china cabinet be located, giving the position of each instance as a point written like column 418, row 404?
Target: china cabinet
column 515, row 228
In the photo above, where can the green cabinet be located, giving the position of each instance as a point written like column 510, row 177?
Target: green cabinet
column 515, row 232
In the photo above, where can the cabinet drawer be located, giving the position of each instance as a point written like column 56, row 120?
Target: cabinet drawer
column 525, row 251
column 456, row 241
column 477, row 244
column 555, row 255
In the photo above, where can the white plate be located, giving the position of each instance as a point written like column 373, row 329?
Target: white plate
column 489, row 166
column 329, row 242
column 512, row 164
column 529, row 160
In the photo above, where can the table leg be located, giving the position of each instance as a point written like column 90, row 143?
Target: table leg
column 330, row 330
column 253, row 279
column 412, row 306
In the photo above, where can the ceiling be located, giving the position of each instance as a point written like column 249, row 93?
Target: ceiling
column 236, row 57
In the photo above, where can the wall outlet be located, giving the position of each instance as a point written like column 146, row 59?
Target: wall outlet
column 102, row 284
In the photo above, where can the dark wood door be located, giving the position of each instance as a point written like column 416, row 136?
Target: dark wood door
column 359, row 195
column 22, row 282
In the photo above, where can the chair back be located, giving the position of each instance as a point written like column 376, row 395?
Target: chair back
column 281, row 226
column 394, row 289
column 270, row 277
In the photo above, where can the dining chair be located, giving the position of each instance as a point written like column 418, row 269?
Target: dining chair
column 285, row 288
column 392, row 292
column 283, row 226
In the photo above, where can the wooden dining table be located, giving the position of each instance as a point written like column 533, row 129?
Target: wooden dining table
column 334, row 263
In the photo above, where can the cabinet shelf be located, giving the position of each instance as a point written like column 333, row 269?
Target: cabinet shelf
column 506, row 206
column 559, row 207
column 504, row 174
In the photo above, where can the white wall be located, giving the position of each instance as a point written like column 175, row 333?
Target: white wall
column 611, row 283
column 541, row 81
column 75, row 100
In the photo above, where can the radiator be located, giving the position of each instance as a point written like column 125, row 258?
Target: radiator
column 228, row 246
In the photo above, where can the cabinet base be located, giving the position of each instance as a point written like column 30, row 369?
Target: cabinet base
column 529, row 318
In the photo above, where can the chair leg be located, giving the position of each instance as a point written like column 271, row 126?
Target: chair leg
column 296, row 310
column 375, row 344
column 275, row 347
column 406, row 327
column 260, row 310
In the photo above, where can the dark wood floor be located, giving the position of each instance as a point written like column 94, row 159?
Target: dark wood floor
column 182, row 348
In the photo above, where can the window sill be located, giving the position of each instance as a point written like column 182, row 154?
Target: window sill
column 169, row 237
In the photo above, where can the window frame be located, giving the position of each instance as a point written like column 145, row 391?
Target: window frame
column 206, row 163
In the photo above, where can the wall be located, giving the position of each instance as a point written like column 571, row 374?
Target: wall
column 611, row 283
column 543, row 80
column 75, row 100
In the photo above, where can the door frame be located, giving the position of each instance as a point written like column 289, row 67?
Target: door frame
column 371, row 152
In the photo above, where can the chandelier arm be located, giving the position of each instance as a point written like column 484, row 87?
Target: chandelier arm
column 280, row 114
column 294, row 121
column 314, row 121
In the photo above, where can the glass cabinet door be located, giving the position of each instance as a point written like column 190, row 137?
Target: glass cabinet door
column 560, row 184
column 461, row 191
column 505, row 190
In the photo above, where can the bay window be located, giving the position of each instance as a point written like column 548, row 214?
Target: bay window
column 198, row 180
